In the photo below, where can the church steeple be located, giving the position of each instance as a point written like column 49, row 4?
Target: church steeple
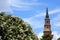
column 47, row 26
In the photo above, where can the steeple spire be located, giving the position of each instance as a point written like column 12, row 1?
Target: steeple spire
column 47, row 16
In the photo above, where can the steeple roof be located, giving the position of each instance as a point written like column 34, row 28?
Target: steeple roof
column 47, row 16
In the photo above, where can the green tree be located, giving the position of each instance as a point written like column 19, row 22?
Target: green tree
column 47, row 37
column 14, row 28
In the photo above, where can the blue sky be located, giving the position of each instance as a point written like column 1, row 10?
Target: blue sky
column 33, row 12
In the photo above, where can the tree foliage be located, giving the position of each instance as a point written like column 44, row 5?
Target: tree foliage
column 58, row 39
column 14, row 28
column 47, row 37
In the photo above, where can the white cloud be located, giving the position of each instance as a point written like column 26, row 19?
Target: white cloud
column 4, row 6
column 57, row 24
column 55, row 11
column 24, row 4
column 40, row 35
column 35, row 23
column 56, row 20
column 56, row 35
